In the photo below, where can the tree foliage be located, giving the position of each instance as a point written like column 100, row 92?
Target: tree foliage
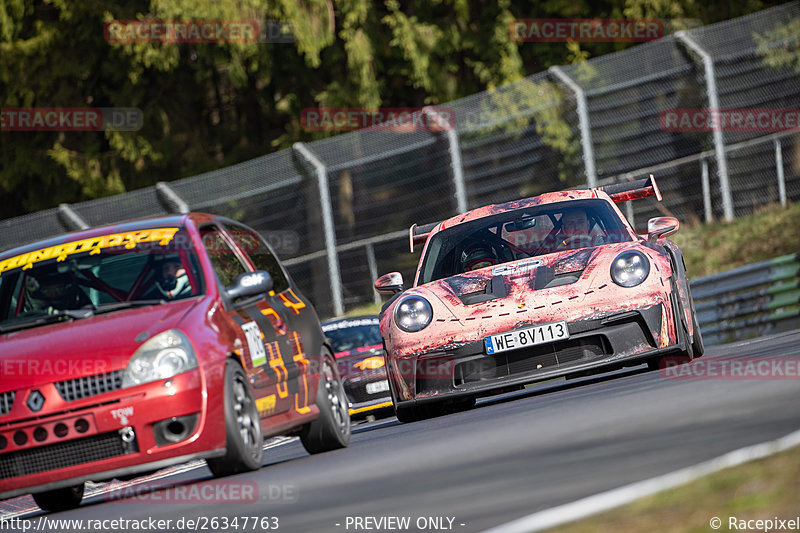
column 210, row 105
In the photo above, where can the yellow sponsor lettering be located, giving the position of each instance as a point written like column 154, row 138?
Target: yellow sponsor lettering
column 370, row 362
column 93, row 245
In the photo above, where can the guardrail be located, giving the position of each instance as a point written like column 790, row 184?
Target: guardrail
column 749, row 301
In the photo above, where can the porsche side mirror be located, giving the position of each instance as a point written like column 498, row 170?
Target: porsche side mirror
column 661, row 227
column 390, row 283
column 250, row 284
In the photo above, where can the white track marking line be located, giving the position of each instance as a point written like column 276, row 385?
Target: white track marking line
column 604, row 501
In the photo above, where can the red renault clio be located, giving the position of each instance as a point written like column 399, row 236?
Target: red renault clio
column 131, row 347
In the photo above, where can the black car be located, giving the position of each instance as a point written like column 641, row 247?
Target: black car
column 358, row 348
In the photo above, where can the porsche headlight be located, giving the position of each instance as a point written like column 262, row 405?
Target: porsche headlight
column 413, row 313
column 165, row 355
column 630, row 268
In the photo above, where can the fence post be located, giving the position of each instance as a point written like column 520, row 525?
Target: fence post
column 586, row 130
column 779, row 168
column 706, row 191
column 373, row 271
column 70, row 218
column 459, row 185
column 713, row 103
column 327, row 221
column 168, row 196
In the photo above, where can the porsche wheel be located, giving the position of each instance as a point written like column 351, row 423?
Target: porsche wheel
column 407, row 415
column 697, row 337
column 682, row 331
column 331, row 430
column 60, row 499
column 432, row 410
column 681, row 326
column 243, row 438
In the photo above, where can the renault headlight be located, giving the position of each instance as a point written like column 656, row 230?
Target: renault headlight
column 630, row 268
column 413, row 313
column 165, row 355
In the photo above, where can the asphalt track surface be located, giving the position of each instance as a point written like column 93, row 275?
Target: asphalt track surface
column 511, row 456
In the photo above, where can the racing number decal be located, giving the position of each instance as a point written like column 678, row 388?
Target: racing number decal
column 294, row 303
column 276, row 363
column 301, row 361
column 254, row 341
column 275, row 358
column 275, row 319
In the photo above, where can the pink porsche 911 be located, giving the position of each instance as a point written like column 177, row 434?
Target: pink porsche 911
column 550, row 286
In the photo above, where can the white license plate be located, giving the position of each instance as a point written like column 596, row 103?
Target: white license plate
column 377, row 386
column 521, row 338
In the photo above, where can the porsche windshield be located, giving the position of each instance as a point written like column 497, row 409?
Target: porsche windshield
column 78, row 279
column 526, row 232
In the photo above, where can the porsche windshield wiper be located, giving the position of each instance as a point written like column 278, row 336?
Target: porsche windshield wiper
column 48, row 318
column 116, row 306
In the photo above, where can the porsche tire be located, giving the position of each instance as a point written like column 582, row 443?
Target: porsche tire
column 243, row 438
column 432, row 409
column 697, row 337
column 60, row 499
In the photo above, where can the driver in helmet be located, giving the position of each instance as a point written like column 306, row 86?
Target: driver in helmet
column 171, row 280
column 49, row 290
column 575, row 229
column 477, row 255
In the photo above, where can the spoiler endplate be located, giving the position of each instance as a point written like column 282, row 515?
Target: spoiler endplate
column 420, row 234
column 632, row 190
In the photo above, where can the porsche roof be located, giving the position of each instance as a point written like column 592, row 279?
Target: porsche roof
column 547, row 198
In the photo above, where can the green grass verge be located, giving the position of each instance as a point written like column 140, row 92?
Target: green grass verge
column 762, row 489
column 366, row 309
column 710, row 248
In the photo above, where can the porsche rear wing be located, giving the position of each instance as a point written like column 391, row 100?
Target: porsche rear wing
column 420, row 234
column 632, row 190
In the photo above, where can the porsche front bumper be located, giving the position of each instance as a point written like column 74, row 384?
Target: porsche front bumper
column 622, row 339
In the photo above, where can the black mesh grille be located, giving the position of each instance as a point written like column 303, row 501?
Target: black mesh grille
column 6, row 402
column 555, row 354
column 543, row 357
column 75, row 389
column 62, row 455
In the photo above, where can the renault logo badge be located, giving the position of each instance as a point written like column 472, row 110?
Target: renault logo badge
column 35, row 401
